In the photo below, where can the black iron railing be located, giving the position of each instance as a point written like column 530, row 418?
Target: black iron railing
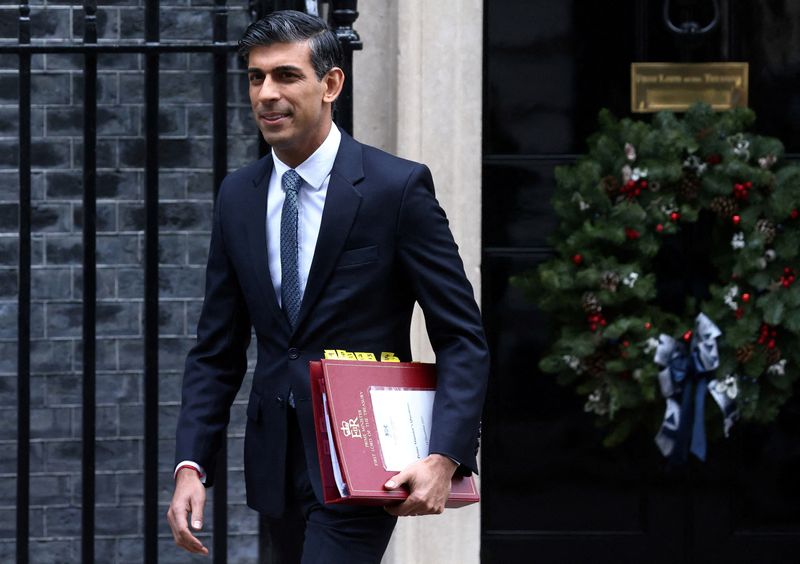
column 24, row 289
column 342, row 14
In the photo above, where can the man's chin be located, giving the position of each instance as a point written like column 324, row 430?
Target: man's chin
column 273, row 139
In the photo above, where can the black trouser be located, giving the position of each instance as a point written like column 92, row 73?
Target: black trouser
column 313, row 533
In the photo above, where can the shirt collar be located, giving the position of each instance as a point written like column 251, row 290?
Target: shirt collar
column 316, row 168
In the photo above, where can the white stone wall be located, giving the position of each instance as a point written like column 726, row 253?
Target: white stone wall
column 417, row 91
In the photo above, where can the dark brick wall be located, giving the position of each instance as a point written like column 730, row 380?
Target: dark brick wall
column 185, row 214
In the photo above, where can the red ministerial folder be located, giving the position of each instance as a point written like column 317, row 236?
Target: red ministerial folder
column 356, row 457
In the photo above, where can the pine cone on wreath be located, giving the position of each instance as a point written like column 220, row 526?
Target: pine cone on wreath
column 773, row 355
column 723, row 206
column 745, row 353
column 610, row 281
column 590, row 303
column 767, row 229
column 689, row 186
column 595, row 364
column 610, row 185
column 769, row 188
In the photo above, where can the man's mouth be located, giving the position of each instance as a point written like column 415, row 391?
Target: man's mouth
column 272, row 118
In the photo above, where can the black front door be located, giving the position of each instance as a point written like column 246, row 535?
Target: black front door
column 551, row 491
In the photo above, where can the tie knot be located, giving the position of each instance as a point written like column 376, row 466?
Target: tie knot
column 291, row 181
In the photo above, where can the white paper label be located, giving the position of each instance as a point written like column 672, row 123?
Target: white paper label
column 403, row 421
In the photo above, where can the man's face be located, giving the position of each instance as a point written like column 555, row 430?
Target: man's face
column 291, row 106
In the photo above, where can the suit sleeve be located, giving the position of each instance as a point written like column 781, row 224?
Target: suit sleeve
column 216, row 365
column 430, row 258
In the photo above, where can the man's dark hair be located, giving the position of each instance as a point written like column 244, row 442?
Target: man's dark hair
column 290, row 26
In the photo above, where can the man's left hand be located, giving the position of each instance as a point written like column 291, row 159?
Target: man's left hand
column 428, row 481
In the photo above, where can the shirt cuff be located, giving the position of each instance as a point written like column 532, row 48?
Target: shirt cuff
column 193, row 465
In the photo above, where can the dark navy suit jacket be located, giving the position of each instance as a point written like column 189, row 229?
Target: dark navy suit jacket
column 383, row 244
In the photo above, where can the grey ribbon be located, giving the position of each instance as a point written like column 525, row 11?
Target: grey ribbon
column 684, row 382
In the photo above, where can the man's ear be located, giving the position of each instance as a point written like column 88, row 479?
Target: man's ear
column 333, row 81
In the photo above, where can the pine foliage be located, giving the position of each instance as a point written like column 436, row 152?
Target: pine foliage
column 645, row 192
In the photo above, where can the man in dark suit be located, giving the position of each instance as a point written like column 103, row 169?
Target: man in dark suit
column 324, row 243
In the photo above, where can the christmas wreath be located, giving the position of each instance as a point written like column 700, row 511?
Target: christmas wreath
column 673, row 279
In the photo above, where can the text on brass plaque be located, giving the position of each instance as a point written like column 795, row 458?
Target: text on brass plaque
column 676, row 86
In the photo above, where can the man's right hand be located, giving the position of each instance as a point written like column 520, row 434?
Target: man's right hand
column 189, row 498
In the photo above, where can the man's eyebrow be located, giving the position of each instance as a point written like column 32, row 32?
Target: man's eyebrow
column 278, row 68
column 283, row 68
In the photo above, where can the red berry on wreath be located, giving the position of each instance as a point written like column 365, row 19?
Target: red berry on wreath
column 794, row 214
column 631, row 233
column 687, row 336
column 648, row 325
column 745, row 298
column 739, row 313
column 577, row 259
column 674, row 216
column 659, row 228
column 736, row 219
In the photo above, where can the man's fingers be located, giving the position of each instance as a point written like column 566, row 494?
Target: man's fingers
column 428, row 492
column 197, row 504
column 180, row 530
column 188, row 541
column 397, row 480
column 188, row 499
column 428, row 482
column 414, row 505
column 176, row 517
column 398, row 510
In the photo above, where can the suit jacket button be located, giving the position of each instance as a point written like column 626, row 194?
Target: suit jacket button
column 294, row 354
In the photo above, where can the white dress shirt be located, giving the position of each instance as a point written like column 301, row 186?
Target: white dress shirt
column 316, row 174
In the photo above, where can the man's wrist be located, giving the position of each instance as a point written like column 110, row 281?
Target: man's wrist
column 191, row 469
column 190, row 465
column 444, row 460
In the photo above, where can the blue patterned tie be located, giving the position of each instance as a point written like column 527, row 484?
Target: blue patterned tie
column 291, row 296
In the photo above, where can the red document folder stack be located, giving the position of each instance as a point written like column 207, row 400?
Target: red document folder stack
column 340, row 390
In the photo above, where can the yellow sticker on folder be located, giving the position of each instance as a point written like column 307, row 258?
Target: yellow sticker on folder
column 341, row 354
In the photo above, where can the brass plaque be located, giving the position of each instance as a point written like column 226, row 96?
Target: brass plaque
column 676, row 86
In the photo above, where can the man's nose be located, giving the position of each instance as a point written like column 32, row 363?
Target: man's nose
column 269, row 90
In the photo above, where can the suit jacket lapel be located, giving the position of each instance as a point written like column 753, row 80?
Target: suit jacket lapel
column 341, row 206
column 255, row 211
